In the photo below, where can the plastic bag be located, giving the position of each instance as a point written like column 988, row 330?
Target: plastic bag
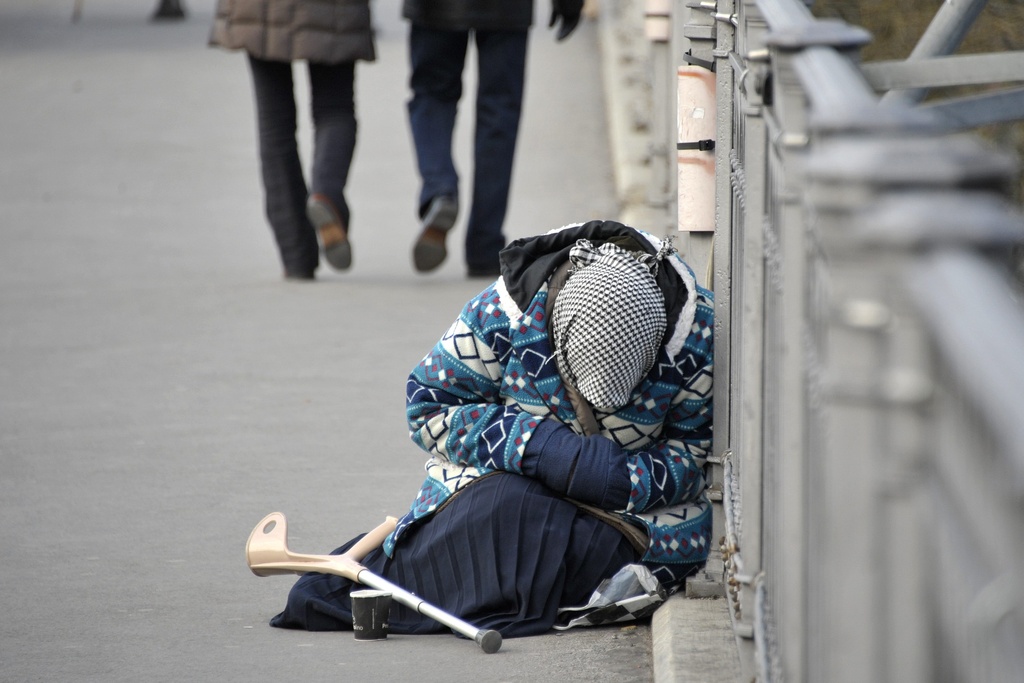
column 633, row 593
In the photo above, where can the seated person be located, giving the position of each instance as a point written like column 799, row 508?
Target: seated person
column 567, row 416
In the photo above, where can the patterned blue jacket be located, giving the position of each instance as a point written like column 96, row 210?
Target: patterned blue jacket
column 476, row 399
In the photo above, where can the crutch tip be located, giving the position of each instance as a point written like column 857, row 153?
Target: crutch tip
column 490, row 641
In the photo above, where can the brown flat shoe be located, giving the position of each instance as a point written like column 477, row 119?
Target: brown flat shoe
column 429, row 252
column 332, row 234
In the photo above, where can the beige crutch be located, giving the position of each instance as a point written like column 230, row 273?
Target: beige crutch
column 267, row 554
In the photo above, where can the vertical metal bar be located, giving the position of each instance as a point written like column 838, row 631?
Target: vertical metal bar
column 787, row 320
column 723, row 237
column 746, row 273
column 697, row 33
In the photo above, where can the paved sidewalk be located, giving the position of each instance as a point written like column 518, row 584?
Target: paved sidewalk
column 161, row 388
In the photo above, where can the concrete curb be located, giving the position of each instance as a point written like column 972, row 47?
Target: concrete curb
column 692, row 641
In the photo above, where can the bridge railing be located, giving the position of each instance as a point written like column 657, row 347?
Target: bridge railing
column 869, row 408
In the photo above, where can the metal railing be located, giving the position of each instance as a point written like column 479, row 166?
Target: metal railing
column 869, row 409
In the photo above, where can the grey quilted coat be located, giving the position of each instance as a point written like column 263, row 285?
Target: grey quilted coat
column 321, row 31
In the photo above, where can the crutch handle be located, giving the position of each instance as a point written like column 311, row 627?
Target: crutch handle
column 373, row 539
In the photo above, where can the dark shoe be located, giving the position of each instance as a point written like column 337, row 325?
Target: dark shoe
column 299, row 275
column 490, row 272
column 429, row 251
column 331, row 231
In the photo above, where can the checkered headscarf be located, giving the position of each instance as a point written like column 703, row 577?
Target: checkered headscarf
column 608, row 322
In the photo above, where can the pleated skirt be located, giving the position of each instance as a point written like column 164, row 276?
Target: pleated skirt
column 504, row 554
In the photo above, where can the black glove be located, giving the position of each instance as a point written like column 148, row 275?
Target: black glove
column 569, row 12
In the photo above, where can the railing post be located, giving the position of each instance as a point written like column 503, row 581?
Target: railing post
column 740, row 322
column 792, row 287
column 700, row 32
column 784, row 439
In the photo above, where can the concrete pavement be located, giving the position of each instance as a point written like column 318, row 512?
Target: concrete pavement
column 162, row 388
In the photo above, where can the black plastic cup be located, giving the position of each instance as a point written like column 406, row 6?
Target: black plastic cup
column 370, row 612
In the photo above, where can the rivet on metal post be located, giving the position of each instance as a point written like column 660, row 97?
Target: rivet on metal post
column 906, row 387
column 865, row 314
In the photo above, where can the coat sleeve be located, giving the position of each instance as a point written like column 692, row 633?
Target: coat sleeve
column 670, row 471
column 453, row 396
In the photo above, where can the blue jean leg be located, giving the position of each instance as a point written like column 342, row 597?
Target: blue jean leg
column 332, row 90
column 437, row 58
column 283, row 183
column 502, row 70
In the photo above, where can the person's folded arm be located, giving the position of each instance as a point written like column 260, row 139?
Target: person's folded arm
column 453, row 402
column 678, row 457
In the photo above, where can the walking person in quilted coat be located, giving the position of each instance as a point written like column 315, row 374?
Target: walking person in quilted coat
column 330, row 36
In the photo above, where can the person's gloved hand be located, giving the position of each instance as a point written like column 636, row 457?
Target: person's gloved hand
column 568, row 12
column 591, row 469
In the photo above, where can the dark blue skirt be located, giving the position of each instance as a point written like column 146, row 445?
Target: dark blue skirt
column 504, row 554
